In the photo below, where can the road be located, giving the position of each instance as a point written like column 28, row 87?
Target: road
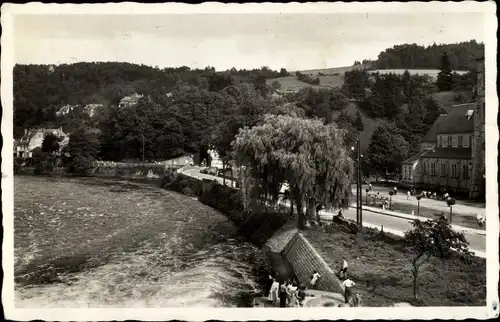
column 459, row 208
column 399, row 226
column 370, row 219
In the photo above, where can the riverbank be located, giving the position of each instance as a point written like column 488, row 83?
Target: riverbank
column 380, row 265
column 92, row 242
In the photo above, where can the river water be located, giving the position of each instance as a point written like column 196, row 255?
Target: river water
column 99, row 243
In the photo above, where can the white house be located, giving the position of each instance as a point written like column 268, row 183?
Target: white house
column 34, row 138
column 129, row 101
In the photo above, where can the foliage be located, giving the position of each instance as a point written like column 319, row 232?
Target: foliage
column 434, row 238
column 51, row 143
column 445, row 78
column 39, row 160
column 83, row 148
column 356, row 82
column 462, row 56
column 320, row 103
column 387, row 149
column 307, row 78
column 310, row 156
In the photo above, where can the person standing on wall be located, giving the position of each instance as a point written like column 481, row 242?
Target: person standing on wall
column 314, row 278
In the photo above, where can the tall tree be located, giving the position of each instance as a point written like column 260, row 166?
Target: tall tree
column 445, row 78
column 387, row 149
column 50, row 143
column 83, row 148
column 308, row 155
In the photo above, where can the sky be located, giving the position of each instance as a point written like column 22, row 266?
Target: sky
column 292, row 41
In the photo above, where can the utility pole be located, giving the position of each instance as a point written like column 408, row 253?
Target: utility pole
column 142, row 148
column 360, row 189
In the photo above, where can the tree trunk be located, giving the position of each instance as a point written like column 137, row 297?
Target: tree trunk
column 415, row 281
column 300, row 210
column 223, row 173
column 232, row 178
column 311, row 208
column 291, row 206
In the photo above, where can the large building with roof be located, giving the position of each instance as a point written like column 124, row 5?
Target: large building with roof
column 452, row 152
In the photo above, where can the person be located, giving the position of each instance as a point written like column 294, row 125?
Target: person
column 370, row 187
column 282, row 294
column 378, row 195
column 348, row 285
column 301, row 295
column 408, row 195
column 270, row 281
column 314, row 278
column 290, row 290
column 395, row 190
column 343, row 270
column 358, row 301
column 273, row 292
column 341, row 213
column 434, row 195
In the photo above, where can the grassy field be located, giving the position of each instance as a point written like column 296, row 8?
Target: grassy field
column 381, row 269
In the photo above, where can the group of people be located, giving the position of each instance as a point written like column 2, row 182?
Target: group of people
column 348, row 285
column 289, row 293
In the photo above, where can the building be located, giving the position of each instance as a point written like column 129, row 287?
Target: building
column 34, row 138
column 451, row 156
column 129, row 101
column 66, row 109
column 181, row 161
column 90, row 109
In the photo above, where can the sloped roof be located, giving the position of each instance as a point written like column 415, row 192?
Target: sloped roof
column 449, row 153
column 415, row 157
column 430, row 136
column 457, row 120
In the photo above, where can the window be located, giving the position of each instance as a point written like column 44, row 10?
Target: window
column 443, row 169
column 460, row 141
column 465, row 171
column 449, row 140
column 470, row 141
column 453, row 170
column 440, row 141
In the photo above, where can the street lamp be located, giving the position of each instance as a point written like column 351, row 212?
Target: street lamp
column 418, row 204
column 359, row 200
column 450, row 202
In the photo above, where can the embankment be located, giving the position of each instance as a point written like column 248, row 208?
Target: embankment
column 132, row 171
column 289, row 253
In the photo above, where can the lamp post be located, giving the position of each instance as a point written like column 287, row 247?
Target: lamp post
column 359, row 194
column 450, row 203
column 418, row 204
column 390, row 198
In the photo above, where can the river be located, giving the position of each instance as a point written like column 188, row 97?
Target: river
column 98, row 243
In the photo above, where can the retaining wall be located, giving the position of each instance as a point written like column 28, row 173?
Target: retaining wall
column 304, row 260
column 130, row 170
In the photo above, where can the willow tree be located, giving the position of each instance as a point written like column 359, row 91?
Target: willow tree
column 308, row 155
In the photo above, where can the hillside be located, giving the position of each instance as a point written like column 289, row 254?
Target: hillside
column 328, row 77
column 370, row 124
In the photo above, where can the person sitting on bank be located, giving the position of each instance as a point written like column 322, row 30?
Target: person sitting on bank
column 348, row 285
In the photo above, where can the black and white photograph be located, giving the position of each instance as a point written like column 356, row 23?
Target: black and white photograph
column 249, row 161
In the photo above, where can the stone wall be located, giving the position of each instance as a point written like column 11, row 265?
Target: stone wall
column 129, row 170
column 304, row 259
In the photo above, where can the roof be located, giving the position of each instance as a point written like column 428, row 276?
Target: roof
column 415, row 157
column 449, row 153
column 431, row 134
column 457, row 120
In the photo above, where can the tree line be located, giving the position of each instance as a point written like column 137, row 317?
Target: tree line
column 412, row 56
